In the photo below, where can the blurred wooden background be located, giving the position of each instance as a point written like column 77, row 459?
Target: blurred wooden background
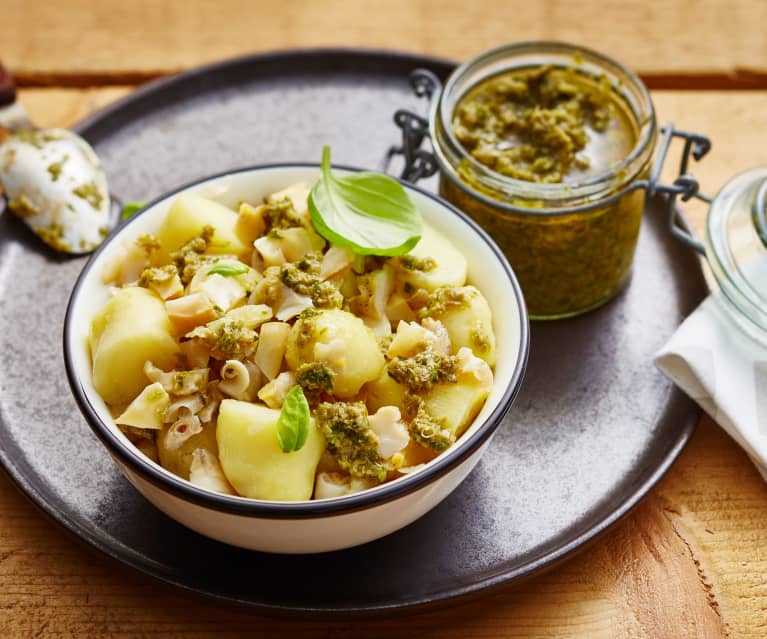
column 691, row 561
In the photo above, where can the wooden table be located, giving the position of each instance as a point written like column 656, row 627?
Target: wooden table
column 691, row 561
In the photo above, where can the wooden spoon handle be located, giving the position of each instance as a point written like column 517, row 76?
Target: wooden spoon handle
column 7, row 87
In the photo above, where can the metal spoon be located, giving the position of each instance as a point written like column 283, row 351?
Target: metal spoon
column 52, row 179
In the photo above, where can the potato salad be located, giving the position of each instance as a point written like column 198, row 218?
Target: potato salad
column 249, row 355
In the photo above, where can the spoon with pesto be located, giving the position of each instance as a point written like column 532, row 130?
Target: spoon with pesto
column 51, row 179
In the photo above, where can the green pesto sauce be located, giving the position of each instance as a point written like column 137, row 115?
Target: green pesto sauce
column 281, row 215
column 190, row 257
column 23, row 207
column 53, row 236
column 157, row 275
column 551, row 125
column 480, row 341
column 227, row 337
column 148, row 243
column 55, row 168
column 566, row 264
column 429, row 432
column 316, row 379
column 544, row 124
column 90, row 193
column 37, row 139
column 413, row 263
column 444, row 298
column 422, row 371
column 306, row 327
column 350, row 439
column 303, row 277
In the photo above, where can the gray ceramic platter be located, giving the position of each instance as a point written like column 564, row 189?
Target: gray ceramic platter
column 592, row 430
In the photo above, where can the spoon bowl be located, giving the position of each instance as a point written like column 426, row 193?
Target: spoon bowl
column 52, row 179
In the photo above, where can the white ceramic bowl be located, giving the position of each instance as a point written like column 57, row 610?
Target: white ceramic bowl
column 306, row 526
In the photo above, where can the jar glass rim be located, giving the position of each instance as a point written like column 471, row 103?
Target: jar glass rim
column 731, row 278
column 589, row 187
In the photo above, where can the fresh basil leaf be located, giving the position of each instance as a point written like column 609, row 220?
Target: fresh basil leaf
column 370, row 213
column 293, row 424
column 228, row 269
column 131, row 208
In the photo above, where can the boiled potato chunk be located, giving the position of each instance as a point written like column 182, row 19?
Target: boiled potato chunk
column 449, row 267
column 383, row 391
column 185, row 220
column 252, row 459
column 456, row 405
column 298, row 241
column 178, row 460
column 250, row 223
column 414, row 454
column 470, row 324
column 343, row 342
column 133, row 327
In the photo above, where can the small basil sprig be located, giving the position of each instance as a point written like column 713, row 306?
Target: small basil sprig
column 228, row 269
column 293, row 424
column 131, row 208
column 370, row 213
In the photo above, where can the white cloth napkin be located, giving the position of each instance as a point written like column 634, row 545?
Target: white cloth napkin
column 725, row 371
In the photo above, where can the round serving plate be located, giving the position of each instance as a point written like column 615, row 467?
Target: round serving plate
column 593, row 429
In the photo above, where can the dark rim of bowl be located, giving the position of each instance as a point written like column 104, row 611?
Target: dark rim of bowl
column 183, row 489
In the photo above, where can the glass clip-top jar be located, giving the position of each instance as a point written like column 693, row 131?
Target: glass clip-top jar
column 735, row 247
column 566, row 206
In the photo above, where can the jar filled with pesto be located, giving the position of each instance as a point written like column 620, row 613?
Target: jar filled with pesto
column 548, row 146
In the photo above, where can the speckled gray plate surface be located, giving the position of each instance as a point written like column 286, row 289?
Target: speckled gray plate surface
column 594, row 427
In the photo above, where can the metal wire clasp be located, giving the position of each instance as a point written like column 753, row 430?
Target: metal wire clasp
column 419, row 163
column 685, row 186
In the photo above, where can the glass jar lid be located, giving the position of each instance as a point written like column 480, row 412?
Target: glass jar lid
column 736, row 246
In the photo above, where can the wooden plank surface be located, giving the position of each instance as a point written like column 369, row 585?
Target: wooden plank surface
column 689, row 562
column 83, row 42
